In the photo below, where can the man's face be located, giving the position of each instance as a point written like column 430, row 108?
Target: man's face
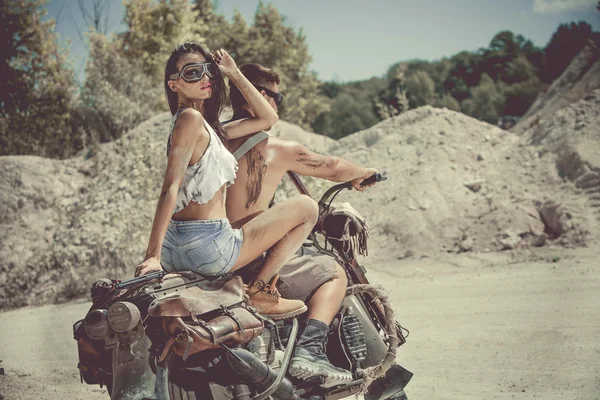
column 274, row 87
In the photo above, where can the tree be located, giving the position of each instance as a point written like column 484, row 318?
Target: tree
column 420, row 89
column 519, row 70
column 116, row 96
column 464, row 74
column 437, row 71
column 520, row 96
column 270, row 42
column 155, row 28
column 347, row 115
column 37, row 85
column 393, row 100
column 565, row 44
column 486, row 101
column 351, row 107
column 447, row 101
column 217, row 27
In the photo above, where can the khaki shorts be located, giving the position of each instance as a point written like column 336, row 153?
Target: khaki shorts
column 306, row 271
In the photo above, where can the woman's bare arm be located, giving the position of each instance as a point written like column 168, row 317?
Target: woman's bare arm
column 265, row 115
column 188, row 131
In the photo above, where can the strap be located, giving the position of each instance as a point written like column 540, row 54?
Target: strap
column 249, row 144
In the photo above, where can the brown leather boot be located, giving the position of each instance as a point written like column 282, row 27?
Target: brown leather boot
column 266, row 299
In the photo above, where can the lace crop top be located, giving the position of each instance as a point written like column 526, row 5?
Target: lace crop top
column 204, row 178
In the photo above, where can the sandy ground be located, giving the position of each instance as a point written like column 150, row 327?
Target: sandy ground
column 483, row 326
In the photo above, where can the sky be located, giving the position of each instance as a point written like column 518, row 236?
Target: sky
column 354, row 40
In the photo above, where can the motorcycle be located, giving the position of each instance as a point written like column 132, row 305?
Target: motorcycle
column 185, row 336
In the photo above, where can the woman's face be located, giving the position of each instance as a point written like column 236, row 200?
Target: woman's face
column 199, row 90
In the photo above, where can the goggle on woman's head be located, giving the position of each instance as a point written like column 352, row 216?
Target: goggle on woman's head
column 193, row 72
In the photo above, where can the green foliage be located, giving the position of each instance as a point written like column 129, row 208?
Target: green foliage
column 124, row 73
column 486, row 101
column 566, row 43
column 392, row 100
column 37, row 85
column 270, row 42
column 347, row 116
column 520, row 96
column 348, row 112
column 447, row 101
column 155, row 28
column 420, row 89
column 117, row 95
column 519, row 70
column 503, row 79
column 40, row 114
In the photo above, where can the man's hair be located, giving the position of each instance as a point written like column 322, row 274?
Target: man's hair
column 258, row 76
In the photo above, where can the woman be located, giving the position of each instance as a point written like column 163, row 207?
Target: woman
column 190, row 229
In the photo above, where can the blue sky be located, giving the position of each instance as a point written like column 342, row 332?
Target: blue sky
column 352, row 40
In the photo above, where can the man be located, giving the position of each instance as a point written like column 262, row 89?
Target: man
column 310, row 276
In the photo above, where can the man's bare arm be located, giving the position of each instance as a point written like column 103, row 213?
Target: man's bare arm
column 302, row 161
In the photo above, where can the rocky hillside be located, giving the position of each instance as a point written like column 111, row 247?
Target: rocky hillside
column 457, row 184
column 579, row 80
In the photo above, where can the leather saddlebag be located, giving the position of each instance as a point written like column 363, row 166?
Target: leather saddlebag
column 205, row 316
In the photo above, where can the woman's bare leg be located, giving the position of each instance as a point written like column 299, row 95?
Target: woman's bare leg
column 282, row 228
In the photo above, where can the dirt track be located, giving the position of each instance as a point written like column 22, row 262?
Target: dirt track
column 487, row 326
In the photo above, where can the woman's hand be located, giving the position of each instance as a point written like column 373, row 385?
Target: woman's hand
column 150, row 264
column 224, row 62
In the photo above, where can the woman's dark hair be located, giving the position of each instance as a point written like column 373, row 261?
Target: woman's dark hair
column 212, row 106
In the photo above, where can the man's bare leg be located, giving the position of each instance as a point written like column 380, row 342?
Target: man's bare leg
column 326, row 301
column 309, row 358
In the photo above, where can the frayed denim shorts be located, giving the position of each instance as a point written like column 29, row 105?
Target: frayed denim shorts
column 207, row 247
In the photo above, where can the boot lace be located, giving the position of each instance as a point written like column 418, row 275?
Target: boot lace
column 271, row 291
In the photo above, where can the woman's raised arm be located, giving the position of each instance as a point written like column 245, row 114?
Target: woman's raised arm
column 265, row 115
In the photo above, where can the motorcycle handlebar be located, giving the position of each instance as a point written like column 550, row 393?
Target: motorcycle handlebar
column 348, row 185
column 373, row 179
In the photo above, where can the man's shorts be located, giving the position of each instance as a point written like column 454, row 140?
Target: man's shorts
column 306, row 271
column 301, row 276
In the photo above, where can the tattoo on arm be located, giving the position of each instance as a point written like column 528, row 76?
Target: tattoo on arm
column 313, row 161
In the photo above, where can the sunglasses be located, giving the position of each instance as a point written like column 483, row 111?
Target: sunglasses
column 278, row 97
column 193, row 72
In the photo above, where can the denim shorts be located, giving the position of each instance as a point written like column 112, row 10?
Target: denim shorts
column 207, row 247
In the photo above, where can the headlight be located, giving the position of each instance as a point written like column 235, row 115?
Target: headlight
column 123, row 316
column 95, row 324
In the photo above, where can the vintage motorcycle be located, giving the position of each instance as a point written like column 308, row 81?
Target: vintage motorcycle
column 185, row 336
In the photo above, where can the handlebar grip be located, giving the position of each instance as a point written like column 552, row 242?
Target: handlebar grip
column 373, row 179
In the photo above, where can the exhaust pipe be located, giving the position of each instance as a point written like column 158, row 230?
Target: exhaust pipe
column 259, row 374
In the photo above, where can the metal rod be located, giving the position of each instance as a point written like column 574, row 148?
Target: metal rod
column 298, row 182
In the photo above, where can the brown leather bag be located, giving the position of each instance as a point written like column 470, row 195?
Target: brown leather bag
column 206, row 315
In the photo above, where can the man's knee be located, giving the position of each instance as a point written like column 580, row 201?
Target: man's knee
column 340, row 275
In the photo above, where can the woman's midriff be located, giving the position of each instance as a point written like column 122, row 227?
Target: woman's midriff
column 214, row 209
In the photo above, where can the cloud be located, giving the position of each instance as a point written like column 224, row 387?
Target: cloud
column 560, row 6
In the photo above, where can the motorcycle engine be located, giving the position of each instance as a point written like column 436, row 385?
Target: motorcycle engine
column 353, row 336
column 263, row 347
